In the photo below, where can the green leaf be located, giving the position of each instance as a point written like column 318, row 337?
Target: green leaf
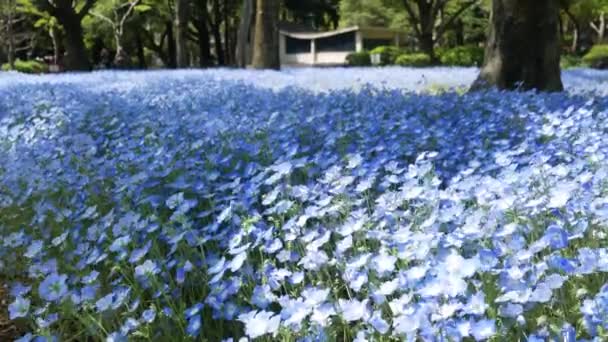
column 142, row 8
column 41, row 23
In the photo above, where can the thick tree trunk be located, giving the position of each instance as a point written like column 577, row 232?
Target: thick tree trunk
column 266, row 40
column 523, row 47
column 171, row 48
column 181, row 31
column 243, row 44
column 76, row 58
column 427, row 29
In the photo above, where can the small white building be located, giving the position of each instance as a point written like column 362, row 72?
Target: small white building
column 332, row 47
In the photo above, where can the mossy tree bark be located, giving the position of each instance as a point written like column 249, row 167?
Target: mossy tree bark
column 523, row 47
column 266, row 40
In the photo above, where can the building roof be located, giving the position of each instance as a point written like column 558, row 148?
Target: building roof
column 317, row 35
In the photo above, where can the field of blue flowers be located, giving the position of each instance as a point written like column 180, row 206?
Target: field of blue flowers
column 306, row 205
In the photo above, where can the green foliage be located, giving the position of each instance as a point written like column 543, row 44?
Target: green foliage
column 597, row 57
column 468, row 55
column 359, row 59
column 571, row 61
column 413, row 60
column 27, row 67
column 388, row 54
column 382, row 13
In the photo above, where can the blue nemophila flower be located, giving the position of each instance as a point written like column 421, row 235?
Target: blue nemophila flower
column 19, row 289
column 568, row 333
column 129, row 325
column 194, row 325
column 260, row 323
column 147, row 269
column 116, row 337
column 556, row 236
column 483, row 329
column 193, row 310
column 34, row 249
column 104, row 303
column 19, row 308
column 53, row 287
column 47, row 321
column 354, row 310
column 25, row 338
column 379, row 323
column 293, row 312
column 148, row 315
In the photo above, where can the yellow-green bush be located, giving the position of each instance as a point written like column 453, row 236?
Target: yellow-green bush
column 27, row 67
column 468, row 55
column 571, row 61
column 413, row 60
column 597, row 57
column 359, row 59
column 388, row 54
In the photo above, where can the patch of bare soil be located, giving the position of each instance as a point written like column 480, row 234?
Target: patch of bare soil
column 8, row 330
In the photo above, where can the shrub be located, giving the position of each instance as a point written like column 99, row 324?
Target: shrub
column 597, row 57
column 571, row 61
column 388, row 54
column 413, row 60
column 359, row 59
column 462, row 56
column 27, row 67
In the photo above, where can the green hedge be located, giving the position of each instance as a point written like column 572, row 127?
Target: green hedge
column 468, row 55
column 28, row 67
column 388, row 54
column 413, row 60
column 597, row 57
column 359, row 59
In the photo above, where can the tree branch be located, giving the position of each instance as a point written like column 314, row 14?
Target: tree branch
column 410, row 12
column 441, row 30
column 104, row 18
column 126, row 15
column 86, row 8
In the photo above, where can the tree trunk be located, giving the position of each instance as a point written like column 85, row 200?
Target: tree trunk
column 523, row 47
column 227, row 55
column 242, row 45
column 181, row 31
column 217, row 34
column 600, row 29
column 266, row 40
column 459, row 30
column 576, row 31
column 76, row 58
column 121, row 58
column 56, row 39
column 11, row 36
column 171, row 48
column 141, row 55
column 203, row 35
column 427, row 29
